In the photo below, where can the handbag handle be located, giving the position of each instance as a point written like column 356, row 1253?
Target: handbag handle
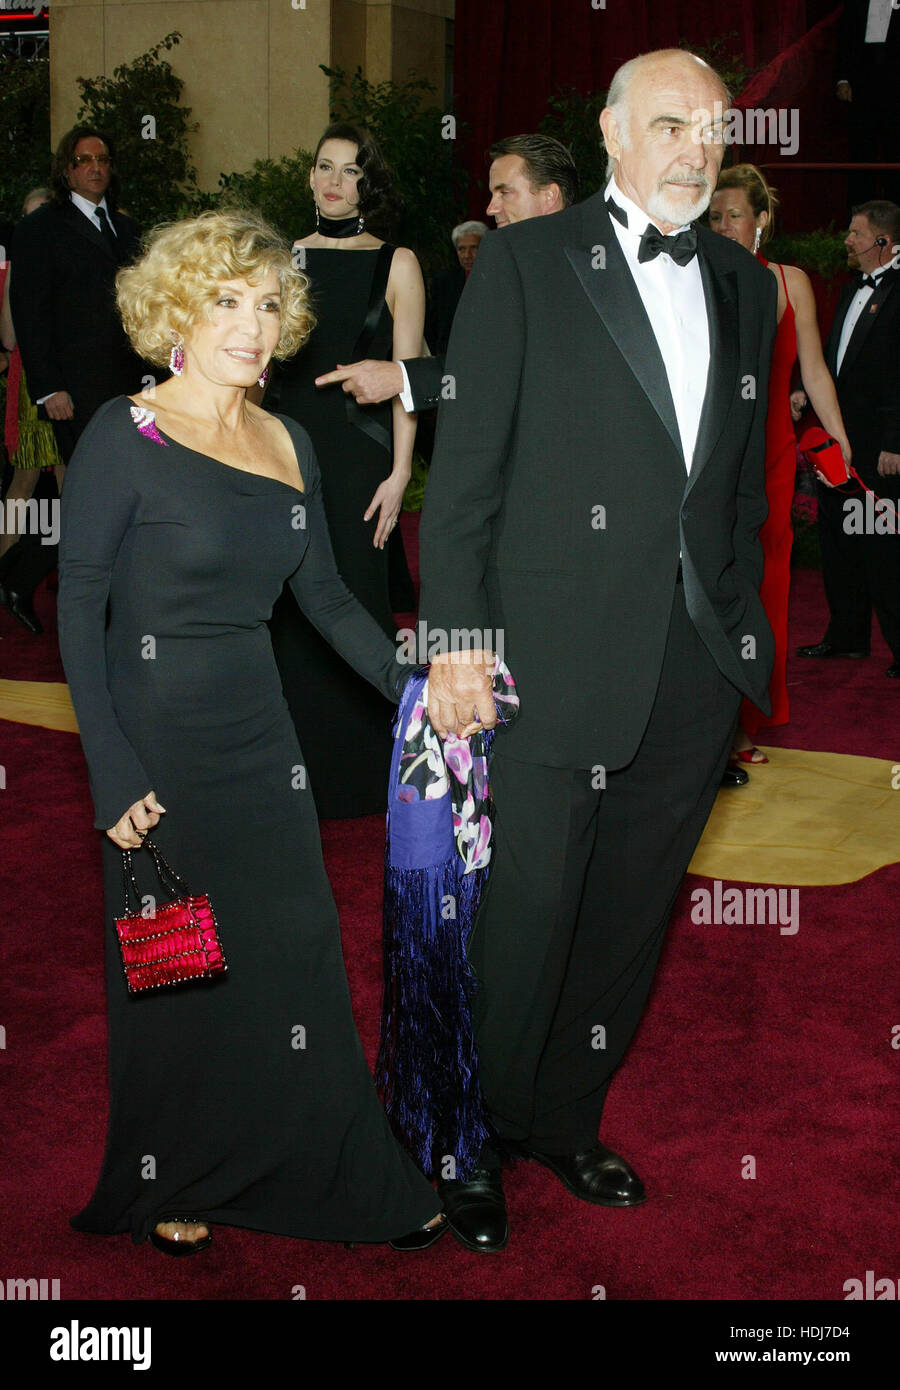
column 164, row 871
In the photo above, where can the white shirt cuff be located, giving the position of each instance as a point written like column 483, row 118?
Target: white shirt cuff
column 405, row 396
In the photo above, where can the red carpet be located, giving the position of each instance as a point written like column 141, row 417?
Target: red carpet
column 754, row 1044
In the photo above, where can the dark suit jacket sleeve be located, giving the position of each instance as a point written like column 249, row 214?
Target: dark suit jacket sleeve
column 752, row 507
column 31, row 295
column 475, row 427
column 426, row 375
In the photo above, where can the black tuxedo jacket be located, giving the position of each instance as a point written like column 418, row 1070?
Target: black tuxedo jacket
column 868, row 384
column 558, row 498
column 62, row 298
column 858, row 62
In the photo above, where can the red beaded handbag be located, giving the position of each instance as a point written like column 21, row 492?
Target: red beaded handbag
column 174, row 943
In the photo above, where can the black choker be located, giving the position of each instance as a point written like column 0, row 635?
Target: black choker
column 339, row 227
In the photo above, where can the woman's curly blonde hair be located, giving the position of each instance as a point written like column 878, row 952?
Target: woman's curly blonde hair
column 176, row 282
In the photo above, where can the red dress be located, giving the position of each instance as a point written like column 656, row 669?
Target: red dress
column 776, row 533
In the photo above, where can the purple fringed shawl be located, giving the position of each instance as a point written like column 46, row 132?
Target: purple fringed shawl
column 436, row 864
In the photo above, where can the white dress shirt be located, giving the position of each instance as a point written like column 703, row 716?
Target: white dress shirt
column 406, row 399
column 673, row 297
column 854, row 314
column 89, row 209
column 878, row 21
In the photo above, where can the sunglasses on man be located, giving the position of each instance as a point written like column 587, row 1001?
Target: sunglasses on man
column 79, row 160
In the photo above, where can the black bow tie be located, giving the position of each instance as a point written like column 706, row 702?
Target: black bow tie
column 867, row 281
column 682, row 247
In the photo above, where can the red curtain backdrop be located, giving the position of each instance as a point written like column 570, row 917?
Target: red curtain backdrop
column 511, row 55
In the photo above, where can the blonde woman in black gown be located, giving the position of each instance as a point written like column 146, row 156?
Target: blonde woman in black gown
column 246, row 1100
column 369, row 300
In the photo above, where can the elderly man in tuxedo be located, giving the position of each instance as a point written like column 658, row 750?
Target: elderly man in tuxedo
column 596, row 492
column 861, row 557
column 65, row 257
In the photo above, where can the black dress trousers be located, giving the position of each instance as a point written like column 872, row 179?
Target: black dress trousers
column 582, row 883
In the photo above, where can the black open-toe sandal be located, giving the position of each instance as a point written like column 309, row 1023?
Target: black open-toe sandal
column 179, row 1248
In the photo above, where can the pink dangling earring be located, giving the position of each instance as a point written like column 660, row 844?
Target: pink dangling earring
column 263, row 377
column 176, row 359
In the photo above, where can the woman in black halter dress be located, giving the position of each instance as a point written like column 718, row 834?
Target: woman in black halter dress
column 369, row 301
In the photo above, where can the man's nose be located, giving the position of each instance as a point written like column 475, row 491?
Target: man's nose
column 695, row 154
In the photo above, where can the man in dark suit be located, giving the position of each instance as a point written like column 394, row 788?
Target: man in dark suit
column 75, row 353
column 867, row 63
column 861, row 545
column 595, row 496
column 448, row 285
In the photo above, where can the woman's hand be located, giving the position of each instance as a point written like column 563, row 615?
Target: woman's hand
column 799, row 402
column 848, row 455
column 389, row 497
column 129, row 832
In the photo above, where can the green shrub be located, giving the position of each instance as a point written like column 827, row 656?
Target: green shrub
column 139, row 107
column 277, row 188
column 24, row 132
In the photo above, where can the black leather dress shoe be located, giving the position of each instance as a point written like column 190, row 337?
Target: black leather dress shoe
column 595, row 1175
column 826, row 649
column 735, row 777
column 476, row 1210
column 19, row 607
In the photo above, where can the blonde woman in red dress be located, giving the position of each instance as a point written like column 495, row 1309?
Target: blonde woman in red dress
column 742, row 208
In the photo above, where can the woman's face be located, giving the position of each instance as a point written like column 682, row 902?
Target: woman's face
column 730, row 214
column 232, row 346
column 333, row 179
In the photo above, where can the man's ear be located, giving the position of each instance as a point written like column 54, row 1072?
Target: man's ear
column 610, row 128
column 552, row 195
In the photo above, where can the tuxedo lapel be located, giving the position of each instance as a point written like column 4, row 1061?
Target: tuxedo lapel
column 863, row 326
column 85, row 228
column 720, row 291
column 609, row 285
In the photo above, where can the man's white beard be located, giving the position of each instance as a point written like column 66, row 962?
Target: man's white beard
column 666, row 209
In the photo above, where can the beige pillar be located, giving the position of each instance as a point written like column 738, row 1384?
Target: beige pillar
column 250, row 67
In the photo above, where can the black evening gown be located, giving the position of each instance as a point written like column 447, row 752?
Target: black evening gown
column 246, row 1100
column 343, row 724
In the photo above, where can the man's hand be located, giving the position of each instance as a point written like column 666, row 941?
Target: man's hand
column 131, row 830
column 888, row 463
column 844, row 91
column 370, row 381
column 459, row 685
column 799, row 403
column 59, row 406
